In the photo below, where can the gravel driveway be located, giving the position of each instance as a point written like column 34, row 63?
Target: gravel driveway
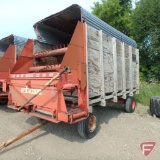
column 118, row 138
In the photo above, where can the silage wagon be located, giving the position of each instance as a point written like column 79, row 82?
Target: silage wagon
column 10, row 48
column 77, row 62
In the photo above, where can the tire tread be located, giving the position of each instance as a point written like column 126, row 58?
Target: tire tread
column 128, row 104
column 83, row 128
column 155, row 105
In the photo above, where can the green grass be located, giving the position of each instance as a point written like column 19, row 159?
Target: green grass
column 146, row 91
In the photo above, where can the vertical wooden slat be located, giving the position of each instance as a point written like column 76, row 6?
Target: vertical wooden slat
column 103, row 102
column 131, row 71
column 115, row 68
column 93, row 62
column 108, row 63
column 137, row 59
column 123, row 71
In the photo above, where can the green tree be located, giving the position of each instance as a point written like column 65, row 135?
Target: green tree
column 146, row 30
column 116, row 13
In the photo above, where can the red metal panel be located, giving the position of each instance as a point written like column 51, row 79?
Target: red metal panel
column 75, row 52
column 7, row 62
column 25, row 60
column 8, row 59
column 53, row 100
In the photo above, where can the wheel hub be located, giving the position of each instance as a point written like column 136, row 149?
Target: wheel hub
column 92, row 123
column 133, row 104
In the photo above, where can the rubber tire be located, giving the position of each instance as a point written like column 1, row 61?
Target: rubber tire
column 83, row 127
column 128, row 104
column 155, row 106
column 4, row 102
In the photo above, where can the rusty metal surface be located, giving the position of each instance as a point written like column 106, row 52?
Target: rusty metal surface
column 65, row 22
column 41, row 47
column 44, row 68
column 43, row 53
column 49, row 53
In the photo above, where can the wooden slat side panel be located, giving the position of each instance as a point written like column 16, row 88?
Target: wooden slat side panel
column 134, row 63
column 127, row 69
column 119, row 65
column 108, row 63
column 108, row 72
column 115, row 69
column 94, row 75
column 123, row 71
column 107, row 43
column 103, row 102
column 93, row 45
column 131, row 71
column 137, row 59
column 111, row 60
column 92, row 34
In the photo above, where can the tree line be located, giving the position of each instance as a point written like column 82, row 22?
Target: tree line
column 141, row 23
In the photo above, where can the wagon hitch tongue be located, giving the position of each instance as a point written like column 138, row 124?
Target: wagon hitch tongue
column 23, row 134
column 65, row 69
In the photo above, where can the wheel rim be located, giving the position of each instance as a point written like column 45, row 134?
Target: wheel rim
column 133, row 104
column 92, row 123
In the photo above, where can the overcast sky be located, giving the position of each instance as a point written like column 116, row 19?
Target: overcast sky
column 18, row 16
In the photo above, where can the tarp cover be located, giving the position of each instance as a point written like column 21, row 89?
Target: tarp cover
column 65, row 22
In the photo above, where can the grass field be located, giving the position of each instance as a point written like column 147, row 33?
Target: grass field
column 146, row 91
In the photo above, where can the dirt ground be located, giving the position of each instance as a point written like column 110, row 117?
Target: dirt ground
column 118, row 138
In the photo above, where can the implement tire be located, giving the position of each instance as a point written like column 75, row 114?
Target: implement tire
column 130, row 104
column 3, row 101
column 155, row 106
column 88, row 128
